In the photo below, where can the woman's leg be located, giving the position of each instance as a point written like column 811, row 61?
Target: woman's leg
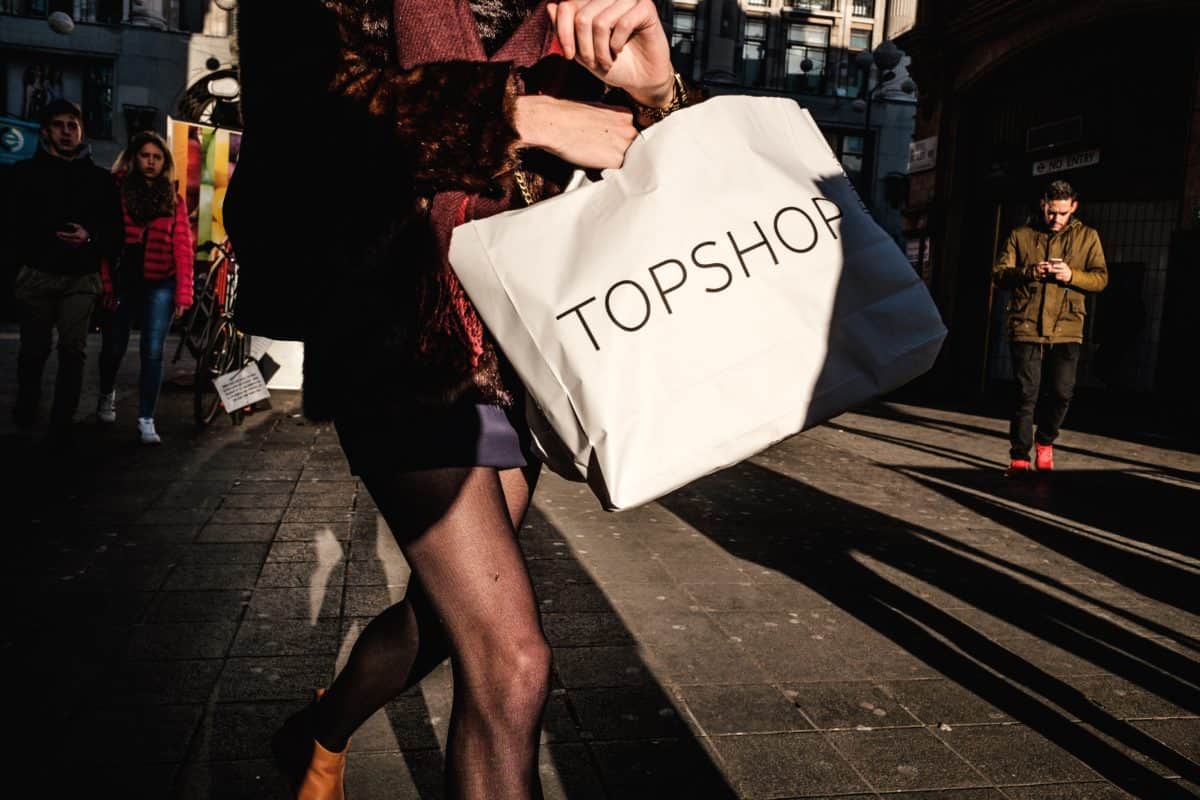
column 156, row 321
column 114, row 341
column 394, row 652
column 474, row 575
column 518, row 485
column 406, row 641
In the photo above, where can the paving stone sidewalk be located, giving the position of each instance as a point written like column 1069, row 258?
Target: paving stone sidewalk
column 866, row 610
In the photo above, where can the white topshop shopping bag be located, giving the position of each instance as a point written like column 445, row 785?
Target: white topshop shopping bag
column 722, row 290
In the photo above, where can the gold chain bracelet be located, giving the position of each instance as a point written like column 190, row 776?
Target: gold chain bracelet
column 679, row 99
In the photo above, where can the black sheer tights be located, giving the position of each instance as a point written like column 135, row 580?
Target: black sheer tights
column 469, row 598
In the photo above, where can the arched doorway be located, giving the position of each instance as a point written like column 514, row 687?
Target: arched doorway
column 1105, row 106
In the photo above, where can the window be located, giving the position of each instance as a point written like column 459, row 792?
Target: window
column 103, row 11
column 42, row 82
column 863, row 8
column 849, row 148
column 759, row 3
column 854, row 77
column 24, row 8
column 811, row 5
column 98, row 99
column 683, row 41
column 754, row 52
column 807, row 42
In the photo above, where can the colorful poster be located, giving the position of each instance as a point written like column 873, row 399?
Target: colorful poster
column 205, row 159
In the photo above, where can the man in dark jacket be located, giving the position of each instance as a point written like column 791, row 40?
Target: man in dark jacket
column 1048, row 268
column 65, row 217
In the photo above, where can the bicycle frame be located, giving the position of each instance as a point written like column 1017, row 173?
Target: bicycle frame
column 211, row 334
column 213, row 302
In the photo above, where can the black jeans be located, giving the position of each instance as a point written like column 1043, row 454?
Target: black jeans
column 1045, row 375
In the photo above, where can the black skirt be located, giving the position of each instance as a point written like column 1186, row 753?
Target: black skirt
column 406, row 438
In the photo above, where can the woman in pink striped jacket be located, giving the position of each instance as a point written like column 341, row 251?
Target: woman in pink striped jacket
column 153, row 279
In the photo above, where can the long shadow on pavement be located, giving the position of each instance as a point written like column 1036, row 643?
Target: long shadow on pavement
column 892, row 413
column 1127, row 504
column 831, row 562
column 1028, row 491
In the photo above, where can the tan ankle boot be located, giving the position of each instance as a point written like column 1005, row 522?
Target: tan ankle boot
column 325, row 775
column 314, row 772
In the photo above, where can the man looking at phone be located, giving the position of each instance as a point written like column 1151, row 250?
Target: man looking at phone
column 1048, row 267
column 64, row 217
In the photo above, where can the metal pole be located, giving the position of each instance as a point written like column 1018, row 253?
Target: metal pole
column 869, row 154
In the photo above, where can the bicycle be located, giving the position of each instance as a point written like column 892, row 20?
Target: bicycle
column 211, row 336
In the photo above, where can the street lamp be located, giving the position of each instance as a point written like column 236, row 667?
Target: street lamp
column 885, row 58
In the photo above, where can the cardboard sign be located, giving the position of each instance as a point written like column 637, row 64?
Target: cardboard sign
column 259, row 346
column 241, row 388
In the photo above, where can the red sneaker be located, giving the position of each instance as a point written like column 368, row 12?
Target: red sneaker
column 1045, row 457
column 1018, row 467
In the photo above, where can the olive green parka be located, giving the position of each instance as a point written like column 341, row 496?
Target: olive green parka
column 1049, row 311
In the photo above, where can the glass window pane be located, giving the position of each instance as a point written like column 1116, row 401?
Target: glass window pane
column 98, row 100
column 852, row 144
column 860, row 40
column 751, row 70
column 756, row 29
column 685, row 21
column 815, row 35
column 797, row 54
column 794, row 58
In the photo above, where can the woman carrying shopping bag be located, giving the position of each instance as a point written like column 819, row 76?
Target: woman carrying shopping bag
column 152, row 282
column 452, row 110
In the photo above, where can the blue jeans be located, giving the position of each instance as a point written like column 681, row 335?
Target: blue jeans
column 153, row 307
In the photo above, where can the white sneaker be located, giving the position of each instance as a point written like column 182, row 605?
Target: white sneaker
column 146, row 431
column 106, row 407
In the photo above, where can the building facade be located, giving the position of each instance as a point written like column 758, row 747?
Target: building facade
column 807, row 49
column 1103, row 94
column 126, row 62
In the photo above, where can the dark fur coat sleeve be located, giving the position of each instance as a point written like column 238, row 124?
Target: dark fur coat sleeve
column 451, row 120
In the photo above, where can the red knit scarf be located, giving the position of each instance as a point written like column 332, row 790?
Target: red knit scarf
column 445, row 30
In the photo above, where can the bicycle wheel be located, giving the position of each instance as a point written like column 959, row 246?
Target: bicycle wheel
column 222, row 355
